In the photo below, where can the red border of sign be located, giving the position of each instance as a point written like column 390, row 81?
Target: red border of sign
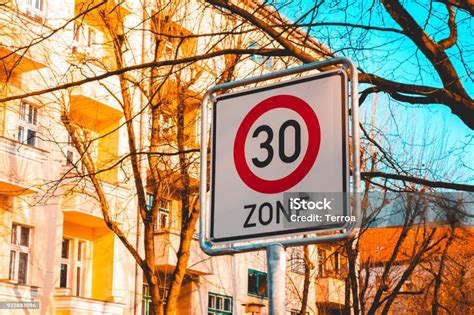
column 314, row 139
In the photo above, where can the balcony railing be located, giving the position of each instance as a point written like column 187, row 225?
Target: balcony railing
column 33, row 13
column 75, row 304
column 20, row 167
column 81, row 208
column 18, row 293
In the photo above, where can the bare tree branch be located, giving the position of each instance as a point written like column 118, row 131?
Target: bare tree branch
column 466, row 5
column 263, row 52
column 421, row 181
column 453, row 30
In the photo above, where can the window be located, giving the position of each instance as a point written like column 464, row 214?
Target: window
column 163, row 294
column 163, row 218
column 79, row 266
column 219, row 304
column 27, row 129
column 166, row 124
column 36, row 4
column 146, row 300
column 19, row 253
column 322, row 263
column 257, row 283
column 72, row 257
column 65, row 264
column 35, row 10
column 162, row 221
column 149, row 202
column 85, row 39
column 163, row 215
column 297, row 263
column 296, row 312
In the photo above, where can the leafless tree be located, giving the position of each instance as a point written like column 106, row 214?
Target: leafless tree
column 152, row 169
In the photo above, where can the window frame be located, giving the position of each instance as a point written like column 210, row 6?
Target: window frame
column 162, row 211
column 257, row 274
column 85, row 39
column 79, row 256
column 146, row 297
column 219, row 310
column 75, row 265
column 17, row 249
column 32, row 4
column 67, row 262
column 28, row 119
column 35, row 10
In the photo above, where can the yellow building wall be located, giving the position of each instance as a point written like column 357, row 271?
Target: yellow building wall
column 102, row 269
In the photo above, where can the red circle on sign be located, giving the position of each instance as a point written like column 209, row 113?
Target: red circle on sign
column 314, row 139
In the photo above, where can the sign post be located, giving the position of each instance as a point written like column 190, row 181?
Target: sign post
column 276, row 265
column 279, row 152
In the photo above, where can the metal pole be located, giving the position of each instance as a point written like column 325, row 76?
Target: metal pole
column 276, row 263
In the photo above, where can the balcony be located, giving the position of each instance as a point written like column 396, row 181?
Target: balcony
column 18, row 293
column 116, row 10
column 80, row 305
column 21, row 167
column 19, row 24
column 19, row 61
column 166, row 247
column 330, row 291
column 93, row 107
column 79, row 206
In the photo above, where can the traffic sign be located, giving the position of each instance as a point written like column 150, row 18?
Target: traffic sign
column 274, row 142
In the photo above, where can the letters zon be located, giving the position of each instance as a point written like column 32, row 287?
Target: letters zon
column 266, row 219
column 266, row 145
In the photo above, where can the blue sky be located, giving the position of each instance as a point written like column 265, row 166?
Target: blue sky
column 428, row 139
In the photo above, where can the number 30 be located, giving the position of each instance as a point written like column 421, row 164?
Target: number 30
column 281, row 143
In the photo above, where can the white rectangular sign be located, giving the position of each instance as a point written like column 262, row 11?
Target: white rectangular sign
column 273, row 145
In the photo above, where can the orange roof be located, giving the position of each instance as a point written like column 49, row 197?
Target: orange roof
column 377, row 245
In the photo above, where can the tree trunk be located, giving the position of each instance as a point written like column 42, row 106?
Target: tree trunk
column 307, row 279
column 188, row 220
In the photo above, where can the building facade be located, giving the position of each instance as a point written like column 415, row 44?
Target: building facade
column 56, row 247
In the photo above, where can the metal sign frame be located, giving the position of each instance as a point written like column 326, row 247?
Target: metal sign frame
column 212, row 248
